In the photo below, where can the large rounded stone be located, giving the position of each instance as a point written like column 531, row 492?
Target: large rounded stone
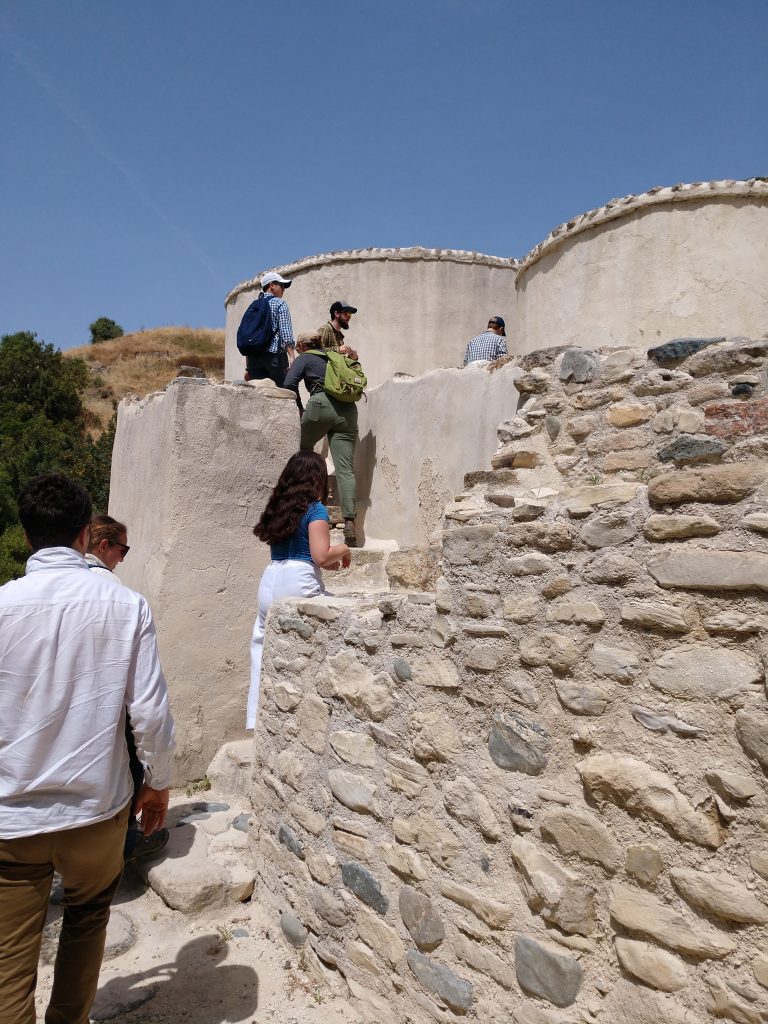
column 420, row 918
column 545, row 970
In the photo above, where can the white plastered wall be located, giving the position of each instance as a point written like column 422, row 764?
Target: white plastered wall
column 692, row 269
column 191, row 471
column 417, row 308
column 417, row 440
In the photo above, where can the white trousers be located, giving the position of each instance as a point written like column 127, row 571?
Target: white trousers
column 291, row 578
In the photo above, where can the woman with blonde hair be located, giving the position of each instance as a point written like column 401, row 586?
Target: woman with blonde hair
column 296, row 526
column 108, row 545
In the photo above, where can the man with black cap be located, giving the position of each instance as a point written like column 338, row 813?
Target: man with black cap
column 331, row 335
column 489, row 345
column 275, row 361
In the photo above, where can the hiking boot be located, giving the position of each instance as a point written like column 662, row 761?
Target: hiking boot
column 350, row 534
column 141, row 847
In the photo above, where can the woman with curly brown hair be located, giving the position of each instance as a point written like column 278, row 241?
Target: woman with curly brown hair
column 296, row 526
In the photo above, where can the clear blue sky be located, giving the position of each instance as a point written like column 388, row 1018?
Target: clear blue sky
column 155, row 153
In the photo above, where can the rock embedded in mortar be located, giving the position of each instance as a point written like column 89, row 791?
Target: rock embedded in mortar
column 703, row 672
column 640, row 911
column 717, row 484
column 455, row 992
column 653, row 966
column 517, row 744
column 465, row 802
column 544, row 970
column 365, row 886
column 552, row 649
column 719, row 894
column 577, row 831
column 647, row 793
column 420, row 918
column 703, row 569
column 615, row 662
column 661, row 527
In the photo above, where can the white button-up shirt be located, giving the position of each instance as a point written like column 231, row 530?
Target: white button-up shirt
column 76, row 651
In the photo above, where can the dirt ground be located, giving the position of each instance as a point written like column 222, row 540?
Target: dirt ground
column 222, row 966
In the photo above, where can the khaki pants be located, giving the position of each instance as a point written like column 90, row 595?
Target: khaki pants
column 90, row 862
column 338, row 420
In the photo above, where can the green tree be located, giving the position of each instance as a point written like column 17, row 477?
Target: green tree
column 103, row 329
column 42, row 429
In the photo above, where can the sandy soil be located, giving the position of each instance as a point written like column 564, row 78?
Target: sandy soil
column 222, row 966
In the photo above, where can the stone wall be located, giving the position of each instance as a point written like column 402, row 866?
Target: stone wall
column 191, row 470
column 417, row 308
column 418, row 437
column 538, row 795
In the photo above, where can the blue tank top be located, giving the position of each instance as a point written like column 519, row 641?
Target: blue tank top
column 297, row 545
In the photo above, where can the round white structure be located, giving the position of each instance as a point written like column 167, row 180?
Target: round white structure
column 417, row 308
column 691, row 260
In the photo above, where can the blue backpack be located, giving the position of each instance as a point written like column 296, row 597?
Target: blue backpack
column 255, row 333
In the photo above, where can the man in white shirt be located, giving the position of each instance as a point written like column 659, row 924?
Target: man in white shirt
column 76, row 653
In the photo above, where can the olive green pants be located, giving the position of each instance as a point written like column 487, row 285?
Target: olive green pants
column 338, row 420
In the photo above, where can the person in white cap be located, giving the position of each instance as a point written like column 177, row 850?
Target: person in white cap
column 275, row 361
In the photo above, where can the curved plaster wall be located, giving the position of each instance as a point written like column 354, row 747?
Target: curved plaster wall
column 417, row 440
column 418, row 308
column 691, row 260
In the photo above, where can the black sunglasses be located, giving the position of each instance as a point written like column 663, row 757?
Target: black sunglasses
column 125, row 547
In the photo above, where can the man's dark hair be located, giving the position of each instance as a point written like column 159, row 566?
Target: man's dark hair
column 53, row 509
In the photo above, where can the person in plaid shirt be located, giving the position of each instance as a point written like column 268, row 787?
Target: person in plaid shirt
column 489, row 345
column 331, row 335
column 275, row 362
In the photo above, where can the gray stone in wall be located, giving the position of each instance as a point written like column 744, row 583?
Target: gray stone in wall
column 719, row 894
column 456, row 992
column 608, row 530
column 402, row 670
column 545, row 970
column 286, row 836
column 293, row 929
column 687, row 450
column 420, row 918
column 517, row 744
column 365, row 886
column 680, row 348
column 578, row 365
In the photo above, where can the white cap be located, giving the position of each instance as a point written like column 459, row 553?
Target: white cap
column 271, row 277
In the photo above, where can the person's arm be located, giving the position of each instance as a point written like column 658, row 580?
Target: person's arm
column 285, row 326
column 294, row 376
column 466, row 356
column 146, row 700
column 345, row 350
column 501, row 348
column 324, row 554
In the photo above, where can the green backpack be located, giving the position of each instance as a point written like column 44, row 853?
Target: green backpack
column 344, row 377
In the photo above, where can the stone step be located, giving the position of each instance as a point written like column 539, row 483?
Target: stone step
column 366, row 575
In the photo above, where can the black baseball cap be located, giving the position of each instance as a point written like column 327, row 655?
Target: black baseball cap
column 497, row 321
column 341, row 307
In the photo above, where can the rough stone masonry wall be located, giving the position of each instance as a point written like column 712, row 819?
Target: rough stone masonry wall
column 537, row 795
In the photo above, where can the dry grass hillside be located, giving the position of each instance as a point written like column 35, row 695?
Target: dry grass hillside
column 137, row 364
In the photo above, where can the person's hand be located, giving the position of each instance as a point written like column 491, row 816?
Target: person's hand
column 333, row 566
column 152, row 807
column 346, row 560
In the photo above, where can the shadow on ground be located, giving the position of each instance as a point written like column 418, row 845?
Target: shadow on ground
column 198, row 977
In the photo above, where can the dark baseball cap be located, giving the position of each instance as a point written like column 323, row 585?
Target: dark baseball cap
column 341, row 307
column 498, row 321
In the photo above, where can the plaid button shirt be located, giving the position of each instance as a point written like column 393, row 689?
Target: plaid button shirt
column 485, row 346
column 281, row 324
